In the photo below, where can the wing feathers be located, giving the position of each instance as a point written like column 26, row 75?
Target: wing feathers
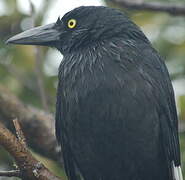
column 177, row 172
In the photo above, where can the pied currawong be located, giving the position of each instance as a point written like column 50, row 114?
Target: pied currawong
column 116, row 117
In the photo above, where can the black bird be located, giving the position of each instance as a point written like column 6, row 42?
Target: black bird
column 116, row 117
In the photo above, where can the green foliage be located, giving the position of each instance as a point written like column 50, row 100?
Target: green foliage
column 181, row 105
column 182, row 140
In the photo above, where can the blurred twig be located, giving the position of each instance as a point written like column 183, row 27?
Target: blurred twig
column 30, row 168
column 40, row 78
column 13, row 173
column 172, row 9
column 38, row 65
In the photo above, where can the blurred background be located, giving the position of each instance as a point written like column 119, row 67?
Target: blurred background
column 30, row 73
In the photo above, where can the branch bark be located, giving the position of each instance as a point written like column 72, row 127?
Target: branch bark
column 19, row 133
column 39, row 125
column 172, row 9
column 30, row 168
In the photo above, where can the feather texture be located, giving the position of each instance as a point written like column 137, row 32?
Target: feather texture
column 177, row 172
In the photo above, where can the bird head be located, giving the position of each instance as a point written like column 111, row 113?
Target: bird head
column 79, row 28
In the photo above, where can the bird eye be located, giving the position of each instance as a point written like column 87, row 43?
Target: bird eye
column 71, row 23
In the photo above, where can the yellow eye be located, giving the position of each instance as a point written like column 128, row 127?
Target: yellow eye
column 71, row 23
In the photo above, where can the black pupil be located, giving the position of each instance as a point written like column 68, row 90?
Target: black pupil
column 71, row 23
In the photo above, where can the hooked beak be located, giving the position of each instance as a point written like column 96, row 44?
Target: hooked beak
column 45, row 35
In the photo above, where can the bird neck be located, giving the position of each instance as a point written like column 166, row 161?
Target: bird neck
column 81, row 66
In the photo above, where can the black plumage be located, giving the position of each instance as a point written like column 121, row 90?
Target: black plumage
column 115, row 114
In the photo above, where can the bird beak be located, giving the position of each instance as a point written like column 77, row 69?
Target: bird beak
column 42, row 35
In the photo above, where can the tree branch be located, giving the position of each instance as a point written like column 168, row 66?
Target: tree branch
column 13, row 173
column 39, row 125
column 30, row 168
column 19, row 133
column 172, row 9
